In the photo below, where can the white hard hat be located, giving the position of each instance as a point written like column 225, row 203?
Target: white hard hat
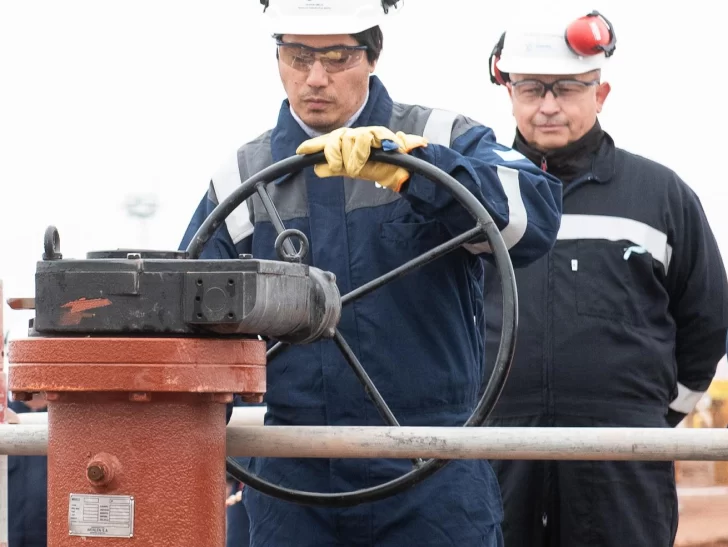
column 545, row 47
column 327, row 16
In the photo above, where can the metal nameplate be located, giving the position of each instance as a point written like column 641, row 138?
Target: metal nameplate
column 101, row 516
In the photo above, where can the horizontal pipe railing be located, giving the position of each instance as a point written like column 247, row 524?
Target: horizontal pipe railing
column 511, row 443
column 242, row 415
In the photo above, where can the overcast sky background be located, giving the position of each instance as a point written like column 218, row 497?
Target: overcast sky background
column 100, row 100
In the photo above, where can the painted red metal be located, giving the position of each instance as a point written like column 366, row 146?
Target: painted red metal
column 141, row 417
column 3, row 384
column 3, row 419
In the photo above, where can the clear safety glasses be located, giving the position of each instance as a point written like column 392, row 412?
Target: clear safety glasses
column 333, row 59
column 531, row 91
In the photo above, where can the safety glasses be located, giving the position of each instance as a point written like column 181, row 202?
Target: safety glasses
column 333, row 59
column 530, row 91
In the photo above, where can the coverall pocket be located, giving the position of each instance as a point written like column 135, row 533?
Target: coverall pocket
column 618, row 281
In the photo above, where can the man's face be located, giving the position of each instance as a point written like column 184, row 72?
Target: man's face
column 561, row 116
column 324, row 89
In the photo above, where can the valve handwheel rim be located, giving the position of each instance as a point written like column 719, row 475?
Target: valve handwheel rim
column 286, row 251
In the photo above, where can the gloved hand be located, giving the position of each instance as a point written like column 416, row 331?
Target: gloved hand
column 347, row 151
column 232, row 499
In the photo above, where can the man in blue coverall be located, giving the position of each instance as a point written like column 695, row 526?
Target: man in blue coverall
column 416, row 337
column 27, row 490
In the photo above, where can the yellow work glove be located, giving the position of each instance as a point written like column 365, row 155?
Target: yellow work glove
column 347, row 152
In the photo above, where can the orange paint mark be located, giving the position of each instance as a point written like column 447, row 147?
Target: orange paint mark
column 78, row 308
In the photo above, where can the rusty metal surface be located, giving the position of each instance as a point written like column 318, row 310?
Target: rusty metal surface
column 138, row 350
column 137, row 365
column 5, row 416
column 138, row 417
column 169, row 453
column 21, row 303
column 3, row 381
column 137, row 378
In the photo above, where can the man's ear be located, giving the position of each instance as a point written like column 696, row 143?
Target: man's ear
column 510, row 95
column 602, row 93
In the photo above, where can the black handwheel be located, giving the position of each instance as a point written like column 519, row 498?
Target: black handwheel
column 285, row 248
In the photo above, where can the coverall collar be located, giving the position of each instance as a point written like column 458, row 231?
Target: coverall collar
column 592, row 156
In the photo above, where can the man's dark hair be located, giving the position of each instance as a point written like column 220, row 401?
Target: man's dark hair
column 371, row 37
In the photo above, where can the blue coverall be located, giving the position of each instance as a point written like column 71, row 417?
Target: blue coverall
column 27, row 496
column 417, row 337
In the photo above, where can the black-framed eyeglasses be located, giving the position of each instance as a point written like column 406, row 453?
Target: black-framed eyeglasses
column 334, row 58
column 564, row 90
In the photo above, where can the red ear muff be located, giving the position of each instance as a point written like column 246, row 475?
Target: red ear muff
column 496, row 76
column 591, row 35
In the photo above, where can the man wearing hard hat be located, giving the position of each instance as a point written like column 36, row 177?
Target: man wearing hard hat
column 416, row 337
column 622, row 323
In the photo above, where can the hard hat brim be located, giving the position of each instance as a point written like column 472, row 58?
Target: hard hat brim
column 318, row 25
column 551, row 66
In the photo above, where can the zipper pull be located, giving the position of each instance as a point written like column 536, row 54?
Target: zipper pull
column 544, row 164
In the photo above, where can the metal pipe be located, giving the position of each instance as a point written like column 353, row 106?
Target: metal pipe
column 247, row 415
column 33, row 418
column 512, row 443
column 242, row 415
column 24, row 440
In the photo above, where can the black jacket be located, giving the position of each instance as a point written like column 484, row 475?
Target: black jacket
column 626, row 317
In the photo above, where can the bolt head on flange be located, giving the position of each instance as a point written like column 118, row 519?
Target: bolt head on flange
column 102, row 469
column 95, row 473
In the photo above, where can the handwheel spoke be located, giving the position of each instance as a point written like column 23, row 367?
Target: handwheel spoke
column 402, row 270
column 369, row 387
column 407, row 267
column 275, row 218
column 275, row 350
column 365, row 380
